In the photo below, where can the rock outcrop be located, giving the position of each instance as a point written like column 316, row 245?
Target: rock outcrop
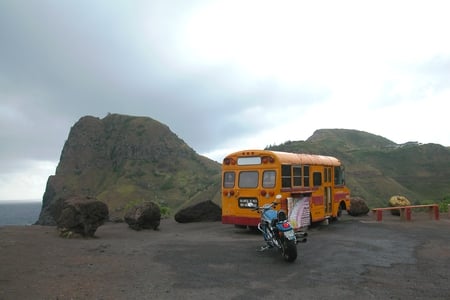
column 81, row 216
column 120, row 159
column 144, row 216
column 206, row 211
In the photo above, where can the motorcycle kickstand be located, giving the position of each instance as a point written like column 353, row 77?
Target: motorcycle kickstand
column 263, row 248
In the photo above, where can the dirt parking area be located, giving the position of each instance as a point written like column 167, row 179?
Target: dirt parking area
column 354, row 258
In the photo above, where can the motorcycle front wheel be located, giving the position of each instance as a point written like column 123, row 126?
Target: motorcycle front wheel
column 288, row 250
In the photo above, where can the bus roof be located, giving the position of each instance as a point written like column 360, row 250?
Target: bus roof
column 291, row 158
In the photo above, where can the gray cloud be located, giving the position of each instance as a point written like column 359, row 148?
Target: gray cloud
column 60, row 61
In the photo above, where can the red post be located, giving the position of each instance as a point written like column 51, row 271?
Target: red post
column 379, row 215
column 436, row 212
column 408, row 213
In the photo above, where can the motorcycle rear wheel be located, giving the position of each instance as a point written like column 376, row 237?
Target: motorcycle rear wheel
column 288, row 250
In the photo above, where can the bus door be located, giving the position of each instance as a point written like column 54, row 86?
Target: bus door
column 327, row 192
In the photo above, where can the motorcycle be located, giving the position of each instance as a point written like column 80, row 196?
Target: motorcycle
column 278, row 232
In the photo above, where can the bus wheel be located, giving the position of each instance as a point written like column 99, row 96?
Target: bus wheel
column 338, row 215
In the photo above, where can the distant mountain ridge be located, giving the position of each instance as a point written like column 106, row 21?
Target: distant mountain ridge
column 377, row 168
column 123, row 160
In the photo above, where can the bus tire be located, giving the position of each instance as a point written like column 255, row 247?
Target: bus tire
column 338, row 215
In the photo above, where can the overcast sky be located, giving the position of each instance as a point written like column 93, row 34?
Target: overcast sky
column 223, row 75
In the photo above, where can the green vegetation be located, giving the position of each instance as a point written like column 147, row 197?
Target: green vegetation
column 443, row 205
column 165, row 211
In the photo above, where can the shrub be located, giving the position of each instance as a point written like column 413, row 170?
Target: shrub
column 443, row 205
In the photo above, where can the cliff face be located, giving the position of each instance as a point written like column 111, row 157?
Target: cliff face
column 124, row 160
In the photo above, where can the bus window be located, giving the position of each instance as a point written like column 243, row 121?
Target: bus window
column 228, row 179
column 297, row 175
column 269, row 179
column 317, row 178
column 338, row 176
column 248, row 179
column 327, row 175
column 285, row 176
column 305, row 175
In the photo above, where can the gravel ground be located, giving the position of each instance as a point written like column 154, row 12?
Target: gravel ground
column 355, row 258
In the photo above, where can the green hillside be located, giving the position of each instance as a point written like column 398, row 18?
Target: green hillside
column 124, row 160
column 377, row 168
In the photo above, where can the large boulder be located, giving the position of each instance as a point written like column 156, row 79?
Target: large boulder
column 206, row 211
column 358, row 207
column 397, row 200
column 81, row 216
column 144, row 216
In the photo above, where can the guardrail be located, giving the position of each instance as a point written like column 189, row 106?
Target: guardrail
column 405, row 211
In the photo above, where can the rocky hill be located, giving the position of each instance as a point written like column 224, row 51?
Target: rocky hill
column 377, row 168
column 124, row 160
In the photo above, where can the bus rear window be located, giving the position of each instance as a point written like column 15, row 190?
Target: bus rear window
column 228, row 179
column 248, row 179
column 269, row 179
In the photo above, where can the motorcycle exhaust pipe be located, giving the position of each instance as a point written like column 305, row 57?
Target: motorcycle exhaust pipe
column 301, row 234
column 301, row 237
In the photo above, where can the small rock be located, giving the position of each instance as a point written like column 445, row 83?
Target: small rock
column 144, row 216
column 201, row 212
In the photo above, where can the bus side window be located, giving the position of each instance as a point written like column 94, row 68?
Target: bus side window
column 285, row 176
column 305, row 175
column 327, row 174
column 317, row 178
column 269, row 179
column 228, row 179
column 297, row 175
column 338, row 176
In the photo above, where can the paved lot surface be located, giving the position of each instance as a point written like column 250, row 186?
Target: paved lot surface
column 354, row 258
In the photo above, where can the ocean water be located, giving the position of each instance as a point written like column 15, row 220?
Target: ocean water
column 19, row 212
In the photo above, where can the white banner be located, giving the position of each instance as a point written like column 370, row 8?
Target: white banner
column 298, row 209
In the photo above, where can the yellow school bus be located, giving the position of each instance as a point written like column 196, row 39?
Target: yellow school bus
column 312, row 187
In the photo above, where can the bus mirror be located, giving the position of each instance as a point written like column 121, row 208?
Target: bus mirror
column 278, row 197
